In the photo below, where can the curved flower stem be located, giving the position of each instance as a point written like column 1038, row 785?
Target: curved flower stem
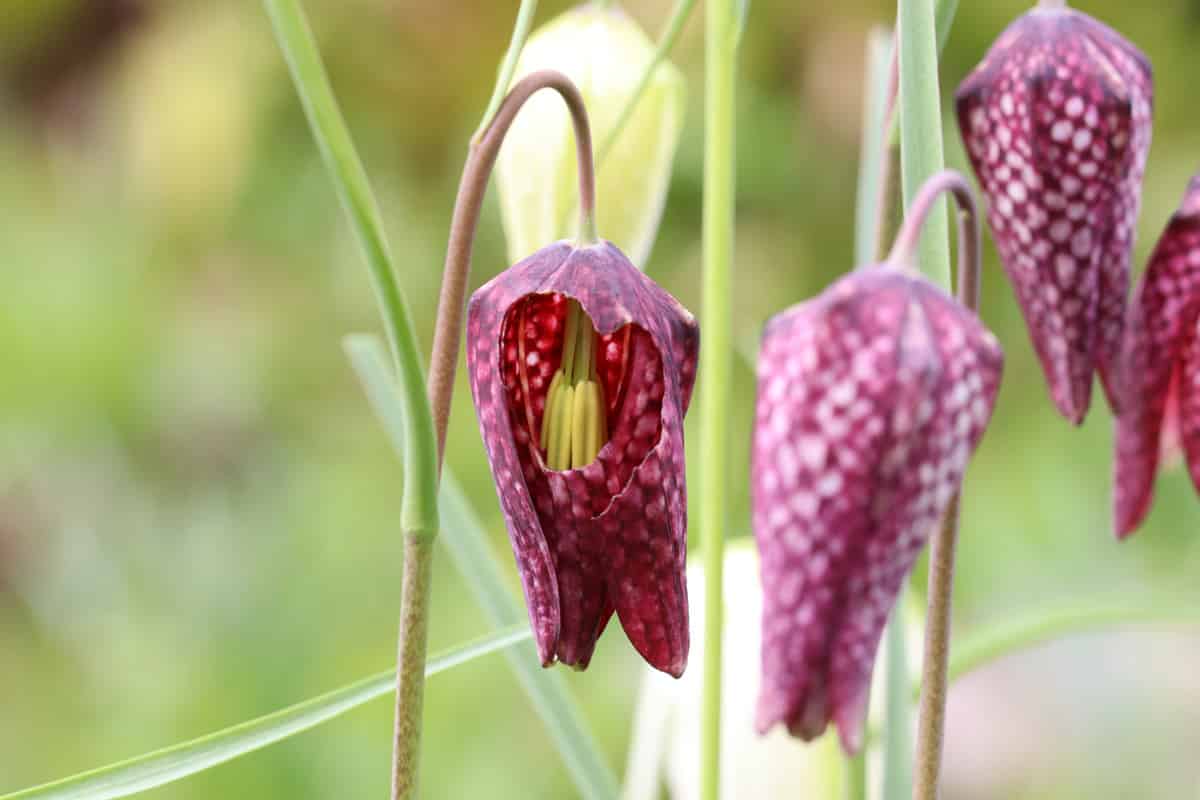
column 414, row 606
column 935, row 664
column 509, row 66
column 471, row 189
column 904, row 249
column 679, row 15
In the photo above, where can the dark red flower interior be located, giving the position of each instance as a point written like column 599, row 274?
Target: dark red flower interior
column 569, row 503
column 628, row 367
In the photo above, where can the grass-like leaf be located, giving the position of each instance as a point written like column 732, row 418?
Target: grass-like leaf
column 187, row 758
column 867, row 221
column 870, row 162
column 508, row 66
column 921, row 148
column 1017, row 633
column 466, row 538
column 418, row 513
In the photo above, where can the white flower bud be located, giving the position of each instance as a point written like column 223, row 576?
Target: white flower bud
column 605, row 53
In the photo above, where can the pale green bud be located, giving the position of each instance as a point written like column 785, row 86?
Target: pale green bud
column 605, row 53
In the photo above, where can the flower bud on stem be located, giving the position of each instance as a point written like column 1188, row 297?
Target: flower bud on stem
column 415, row 591
column 471, row 189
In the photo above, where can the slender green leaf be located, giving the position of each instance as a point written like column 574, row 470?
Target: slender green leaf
column 921, row 148
column 670, row 34
column 721, row 23
column 467, row 540
column 867, row 212
column 508, row 66
column 897, row 747
column 1016, row 634
column 1030, row 630
column 944, row 11
column 419, row 458
column 868, row 219
column 743, row 13
column 944, row 14
column 187, row 758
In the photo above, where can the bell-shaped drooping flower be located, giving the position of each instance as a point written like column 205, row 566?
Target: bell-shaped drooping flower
column 871, row 399
column 605, row 53
column 581, row 370
column 1162, row 367
column 1056, row 122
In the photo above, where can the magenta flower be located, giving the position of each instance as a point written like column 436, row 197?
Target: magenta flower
column 1056, row 122
column 581, row 370
column 1162, row 376
column 871, row 399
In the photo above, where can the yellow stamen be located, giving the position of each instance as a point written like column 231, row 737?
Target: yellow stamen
column 574, row 428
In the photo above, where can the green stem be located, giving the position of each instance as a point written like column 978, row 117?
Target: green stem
column 410, row 666
column 666, row 42
column 508, row 66
column 721, row 31
column 418, row 516
column 944, row 13
column 854, row 777
column 922, row 152
column 871, row 218
column 897, row 753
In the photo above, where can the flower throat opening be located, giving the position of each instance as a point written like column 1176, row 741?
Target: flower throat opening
column 575, row 424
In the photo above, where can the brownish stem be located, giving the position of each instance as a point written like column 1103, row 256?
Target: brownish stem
column 969, row 241
column 935, row 664
column 931, row 721
column 418, row 553
column 410, row 665
column 471, row 189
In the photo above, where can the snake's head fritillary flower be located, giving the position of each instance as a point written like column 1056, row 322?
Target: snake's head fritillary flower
column 581, row 370
column 1162, row 367
column 871, row 399
column 605, row 53
column 1056, row 122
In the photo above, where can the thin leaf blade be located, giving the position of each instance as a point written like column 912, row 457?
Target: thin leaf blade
column 178, row 761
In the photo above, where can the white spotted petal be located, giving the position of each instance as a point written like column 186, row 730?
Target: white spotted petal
column 1057, row 121
column 871, row 399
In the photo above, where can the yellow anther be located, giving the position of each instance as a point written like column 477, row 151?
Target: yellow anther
column 574, row 428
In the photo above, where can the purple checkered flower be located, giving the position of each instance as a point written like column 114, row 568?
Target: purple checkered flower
column 581, row 370
column 871, row 399
column 1056, row 121
column 1162, row 358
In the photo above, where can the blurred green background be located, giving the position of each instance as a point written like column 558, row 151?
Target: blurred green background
column 198, row 513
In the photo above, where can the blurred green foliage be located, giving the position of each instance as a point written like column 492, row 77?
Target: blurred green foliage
column 198, row 513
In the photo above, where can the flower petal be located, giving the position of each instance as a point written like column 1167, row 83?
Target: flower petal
column 614, row 530
column 871, row 399
column 535, row 564
column 1162, row 320
column 1056, row 122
